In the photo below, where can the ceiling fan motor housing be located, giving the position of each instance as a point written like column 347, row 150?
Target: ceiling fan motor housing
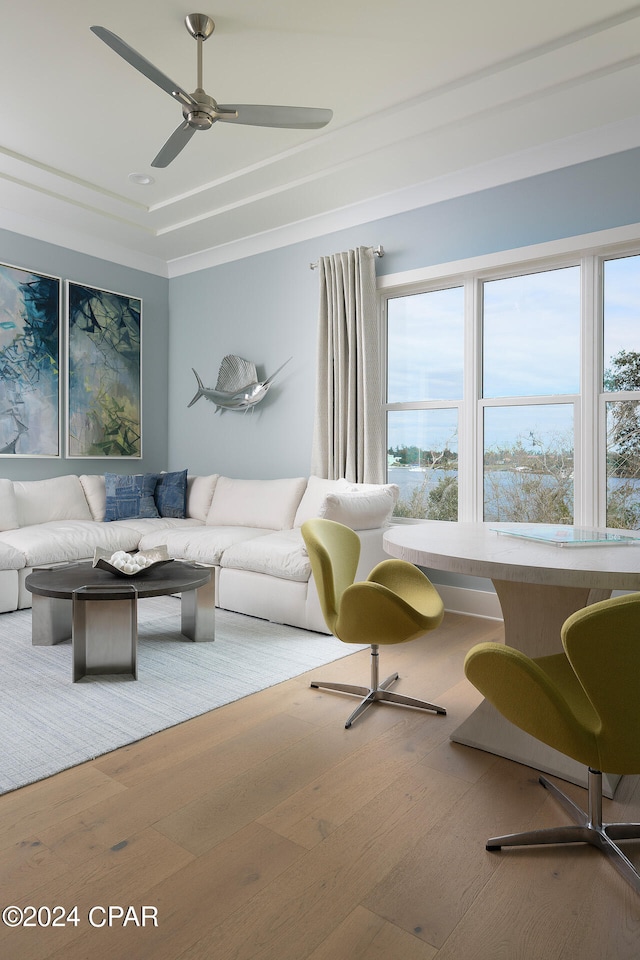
column 206, row 113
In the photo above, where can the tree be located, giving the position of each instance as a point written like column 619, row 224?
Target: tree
column 623, row 428
column 430, row 499
column 530, row 483
column 623, row 442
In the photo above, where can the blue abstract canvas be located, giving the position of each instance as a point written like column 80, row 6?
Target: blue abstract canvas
column 29, row 363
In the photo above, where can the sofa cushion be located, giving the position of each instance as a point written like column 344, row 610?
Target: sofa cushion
column 59, row 498
column 96, row 494
column 199, row 494
column 313, row 498
column 202, row 544
column 360, row 511
column 170, row 494
column 8, row 506
column 11, row 558
column 153, row 525
column 63, row 541
column 268, row 504
column 130, row 495
column 280, row 554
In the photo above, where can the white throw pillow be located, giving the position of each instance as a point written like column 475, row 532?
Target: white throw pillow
column 373, row 488
column 360, row 511
column 59, row 498
column 8, row 506
column 313, row 497
column 199, row 495
column 266, row 504
column 96, row 494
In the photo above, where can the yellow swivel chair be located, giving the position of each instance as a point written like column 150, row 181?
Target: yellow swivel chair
column 394, row 604
column 585, row 703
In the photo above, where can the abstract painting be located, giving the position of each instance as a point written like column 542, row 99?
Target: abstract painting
column 104, row 368
column 29, row 363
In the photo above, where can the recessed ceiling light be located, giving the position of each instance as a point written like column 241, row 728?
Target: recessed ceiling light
column 141, row 178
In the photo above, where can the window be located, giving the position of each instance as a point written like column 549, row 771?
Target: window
column 424, row 389
column 530, row 348
column 513, row 393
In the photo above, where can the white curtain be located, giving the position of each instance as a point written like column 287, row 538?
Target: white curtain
column 348, row 439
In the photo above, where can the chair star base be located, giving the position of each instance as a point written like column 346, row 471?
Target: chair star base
column 377, row 692
column 588, row 828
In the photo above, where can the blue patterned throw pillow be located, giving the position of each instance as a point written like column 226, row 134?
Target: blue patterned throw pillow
column 130, row 497
column 171, row 494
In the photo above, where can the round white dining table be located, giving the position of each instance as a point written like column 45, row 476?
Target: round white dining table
column 539, row 584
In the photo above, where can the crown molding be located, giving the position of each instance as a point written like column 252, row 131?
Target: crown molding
column 618, row 137
column 580, row 148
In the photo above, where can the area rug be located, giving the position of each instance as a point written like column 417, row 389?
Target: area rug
column 49, row 723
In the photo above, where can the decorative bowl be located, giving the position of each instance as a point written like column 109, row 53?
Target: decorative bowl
column 158, row 557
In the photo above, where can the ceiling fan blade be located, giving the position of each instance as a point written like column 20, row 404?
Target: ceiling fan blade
column 143, row 65
column 301, row 118
column 176, row 142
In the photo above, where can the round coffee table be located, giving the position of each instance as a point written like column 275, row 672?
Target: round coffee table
column 99, row 611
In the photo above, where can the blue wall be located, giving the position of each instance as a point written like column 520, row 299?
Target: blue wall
column 20, row 251
column 264, row 308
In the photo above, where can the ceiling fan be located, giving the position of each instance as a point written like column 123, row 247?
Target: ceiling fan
column 200, row 111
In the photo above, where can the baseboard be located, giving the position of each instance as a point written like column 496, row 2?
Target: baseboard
column 475, row 603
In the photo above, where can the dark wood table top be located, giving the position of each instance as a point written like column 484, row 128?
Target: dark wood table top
column 60, row 582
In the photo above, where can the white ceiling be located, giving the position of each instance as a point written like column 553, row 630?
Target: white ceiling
column 430, row 100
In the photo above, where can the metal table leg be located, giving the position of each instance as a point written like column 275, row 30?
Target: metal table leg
column 50, row 620
column 105, row 632
column 198, row 611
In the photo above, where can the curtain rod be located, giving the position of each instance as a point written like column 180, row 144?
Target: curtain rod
column 379, row 252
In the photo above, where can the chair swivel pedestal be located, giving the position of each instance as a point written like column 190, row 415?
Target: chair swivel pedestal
column 376, row 691
column 587, row 827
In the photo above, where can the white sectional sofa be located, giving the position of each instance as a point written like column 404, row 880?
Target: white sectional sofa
column 248, row 530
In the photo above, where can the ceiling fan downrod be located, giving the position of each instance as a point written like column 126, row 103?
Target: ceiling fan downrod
column 200, row 27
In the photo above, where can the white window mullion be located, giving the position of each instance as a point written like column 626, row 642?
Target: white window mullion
column 587, row 433
column 382, row 353
column 468, row 424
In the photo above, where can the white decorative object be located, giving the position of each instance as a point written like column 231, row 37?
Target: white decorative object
column 123, row 564
column 238, row 387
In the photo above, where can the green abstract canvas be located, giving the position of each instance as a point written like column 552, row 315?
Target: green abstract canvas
column 104, row 347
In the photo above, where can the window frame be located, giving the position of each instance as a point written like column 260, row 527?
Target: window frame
column 590, row 482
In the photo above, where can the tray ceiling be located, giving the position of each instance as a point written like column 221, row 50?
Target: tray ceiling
column 429, row 100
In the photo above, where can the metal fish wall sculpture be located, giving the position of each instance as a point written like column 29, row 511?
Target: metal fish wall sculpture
column 238, row 387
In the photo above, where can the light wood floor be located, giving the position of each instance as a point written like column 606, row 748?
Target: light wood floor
column 266, row 831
